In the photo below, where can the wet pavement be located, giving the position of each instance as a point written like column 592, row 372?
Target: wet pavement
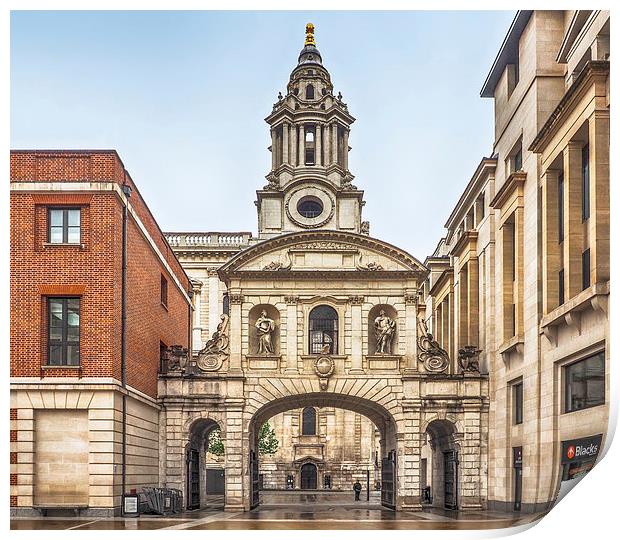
column 321, row 514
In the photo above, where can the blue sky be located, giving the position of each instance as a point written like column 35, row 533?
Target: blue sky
column 182, row 97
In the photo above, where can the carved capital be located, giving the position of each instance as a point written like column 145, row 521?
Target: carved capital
column 291, row 299
column 411, row 299
column 212, row 272
column 356, row 300
column 235, row 298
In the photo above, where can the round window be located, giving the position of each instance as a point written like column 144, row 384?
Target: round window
column 310, row 207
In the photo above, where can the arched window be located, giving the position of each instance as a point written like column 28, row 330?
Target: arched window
column 309, row 92
column 308, row 421
column 323, row 330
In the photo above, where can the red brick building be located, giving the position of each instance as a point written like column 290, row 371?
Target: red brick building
column 86, row 335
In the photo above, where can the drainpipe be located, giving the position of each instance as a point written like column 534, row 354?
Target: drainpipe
column 127, row 192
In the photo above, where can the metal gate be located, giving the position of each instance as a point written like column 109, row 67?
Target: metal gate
column 254, row 479
column 193, row 479
column 388, row 480
column 450, row 474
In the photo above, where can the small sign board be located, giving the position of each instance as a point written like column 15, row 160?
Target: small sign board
column 131, row 505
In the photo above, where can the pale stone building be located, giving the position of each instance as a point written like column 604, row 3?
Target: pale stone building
column 523, row 272
column 314, row 314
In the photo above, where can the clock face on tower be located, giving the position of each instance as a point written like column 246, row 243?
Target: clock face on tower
column 310, row 207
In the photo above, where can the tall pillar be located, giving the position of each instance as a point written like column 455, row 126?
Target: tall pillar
column 291, row 334
column 599, row 196
column 411, row 332
column 573, row 228
column 302, row 144
column 550, row 240
column 197, row 326
column 285, row 143
column 356, row 334
column 327, row 146
column 235, row 300
column 214, row 298
column 317, row 145
column 293, row 144
column 345, row 150
column 472, row 301
column 236, row 482
column 334, row 142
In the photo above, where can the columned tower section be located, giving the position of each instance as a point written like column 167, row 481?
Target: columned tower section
column 309, row 185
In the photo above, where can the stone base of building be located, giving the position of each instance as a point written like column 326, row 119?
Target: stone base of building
column 27, row 511
column 526, row 508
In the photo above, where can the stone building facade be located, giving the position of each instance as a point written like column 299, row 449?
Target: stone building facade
column 523, row 272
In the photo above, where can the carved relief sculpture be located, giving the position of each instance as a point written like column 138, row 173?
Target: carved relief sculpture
column 211, row 357
column 430, row 353
column 468, row 359
column 384, row 332
column 264, row 328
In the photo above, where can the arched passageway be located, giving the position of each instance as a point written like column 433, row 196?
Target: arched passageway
column 196, row 477
column 440, row 466
column 312, row 471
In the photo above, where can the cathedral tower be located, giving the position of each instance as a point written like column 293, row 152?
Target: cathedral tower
column 309, row 185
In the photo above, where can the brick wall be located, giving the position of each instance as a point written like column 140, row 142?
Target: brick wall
column 91, row 271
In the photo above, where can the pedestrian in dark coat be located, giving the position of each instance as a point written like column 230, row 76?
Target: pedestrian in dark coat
column 357, row 487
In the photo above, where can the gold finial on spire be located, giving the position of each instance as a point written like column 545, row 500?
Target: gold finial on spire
column 309, row 34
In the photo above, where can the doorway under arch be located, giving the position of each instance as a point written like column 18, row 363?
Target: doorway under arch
column 196, row 462
column 309, row 476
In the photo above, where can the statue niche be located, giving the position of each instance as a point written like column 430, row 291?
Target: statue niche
column 264, row 330
column 382, row 325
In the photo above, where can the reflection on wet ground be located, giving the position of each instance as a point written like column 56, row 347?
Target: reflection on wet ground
column 367, row 516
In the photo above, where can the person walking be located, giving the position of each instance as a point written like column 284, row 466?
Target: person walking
column 357, row 488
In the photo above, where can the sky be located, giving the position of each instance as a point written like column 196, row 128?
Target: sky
column 182, row 97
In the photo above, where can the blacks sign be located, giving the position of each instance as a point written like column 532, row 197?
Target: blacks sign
column 581, row 449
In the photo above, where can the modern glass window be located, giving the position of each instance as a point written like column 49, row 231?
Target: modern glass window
column 585, row 182
column 63, row 331
column 561, row 208
column 63, row 225
column 517, row 402
column 308, row 421
column 585, row 269
column 584, row 383
column 163, row 291
column 323, row 330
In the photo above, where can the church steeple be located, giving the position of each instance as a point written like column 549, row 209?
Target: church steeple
column 309, row 185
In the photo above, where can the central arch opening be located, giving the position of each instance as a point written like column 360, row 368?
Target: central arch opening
column 327, row 445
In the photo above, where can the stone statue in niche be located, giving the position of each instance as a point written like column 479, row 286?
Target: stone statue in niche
column 264, row 328
column 384, row 333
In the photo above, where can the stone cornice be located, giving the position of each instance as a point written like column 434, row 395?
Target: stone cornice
column 467, row 239
column 513, row 183
column 594, row 71
column 414, row 267
column 445, row 277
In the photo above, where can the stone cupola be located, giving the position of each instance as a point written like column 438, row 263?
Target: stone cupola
column 309, row 184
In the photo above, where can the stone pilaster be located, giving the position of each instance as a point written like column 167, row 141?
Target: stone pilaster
column 599, row 196
column 235, row 300
column 550, row 237
column 302, row 143
column 334, row 158
column 236, row 464
column 293, row 145
column 285, row 143
column 291, row 334
column 411, row 332
column 214, row 298
column 355, row 303
column 318, row 145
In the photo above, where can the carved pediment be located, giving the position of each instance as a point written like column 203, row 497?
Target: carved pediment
column 323, row 251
